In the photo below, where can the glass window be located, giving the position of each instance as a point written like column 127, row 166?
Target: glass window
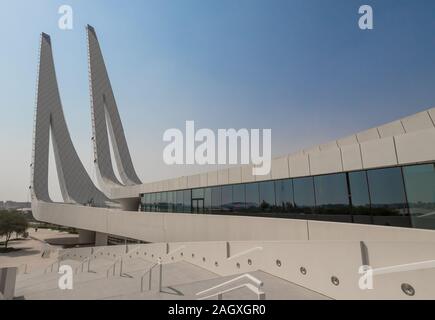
column 359, row 190
column 142, row 202
column 284, row 195
column 267, row 196
column 164, row 202
column 420, row 189
column 387, row 194
column 239, row 199
column 227, row 198
column 187, row 200
column 180, row 201
column 207, row 200
column 332, row 197
column 216, row 199
column 198, row 193
column 157, row 202
column 252, row 197
column 198, row 205
column 153, row 202
column 171, row 201
column 303, row 189
column 147, row 204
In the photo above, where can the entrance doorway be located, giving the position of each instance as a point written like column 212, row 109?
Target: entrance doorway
column 198, row 206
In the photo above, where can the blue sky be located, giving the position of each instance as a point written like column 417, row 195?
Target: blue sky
column 302, row 68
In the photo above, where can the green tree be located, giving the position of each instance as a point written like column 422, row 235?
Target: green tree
column 10, row 222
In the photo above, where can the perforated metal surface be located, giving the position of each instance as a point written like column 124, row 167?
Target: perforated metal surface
column 105, row 118
column 75, row 184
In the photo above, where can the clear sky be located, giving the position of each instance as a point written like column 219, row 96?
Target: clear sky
column 302, row 68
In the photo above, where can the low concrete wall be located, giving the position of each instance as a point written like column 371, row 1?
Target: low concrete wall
column 178, row 227
column 8, row 277
column 311, row 264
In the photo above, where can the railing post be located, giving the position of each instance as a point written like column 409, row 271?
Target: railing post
column 262, row 296
column 219, row 296
column 160, row 274
column 149, row 280
column 120, row 268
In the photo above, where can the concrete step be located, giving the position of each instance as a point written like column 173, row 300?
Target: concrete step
column 95, row 284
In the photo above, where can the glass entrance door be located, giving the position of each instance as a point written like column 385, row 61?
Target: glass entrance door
column 198, row 206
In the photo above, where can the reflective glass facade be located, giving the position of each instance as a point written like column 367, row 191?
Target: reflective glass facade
column 397, row 196
column 420, row 190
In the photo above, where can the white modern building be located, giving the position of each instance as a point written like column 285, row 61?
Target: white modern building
column 373, row 191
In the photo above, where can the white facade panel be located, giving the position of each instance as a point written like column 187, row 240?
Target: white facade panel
column 328, row 161
column 223, row 176
column 368, row 135
column 212, row 178
column 235, row 175
column 391, row 129
column 379, row 153
column 347, row 141
column 165, row 185
column 182, row 183
column 432, row 115
column 312, row 149
column 416, row 147
column 247, row 175
column 193, row 181
column 264, row 177
column 351, row 155
column 155, row 186
column 146, row 188
column 418, row 121
column 329, row 145
column 203, row 181
column 280, row 168
column 173, row 184
column 299, row 165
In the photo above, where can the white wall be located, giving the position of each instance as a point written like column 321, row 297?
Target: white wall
column 176, row 227
column 322, row 260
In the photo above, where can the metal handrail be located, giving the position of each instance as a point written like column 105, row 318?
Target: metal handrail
column 258, row 284
column 52, row 265
column 260, row 294
column 111, row 266
column 160, row 264
column 120, row 259
column 82, row 263
column 149, row 280
column 25, row 265
column 58, row 261
column 243, row 253
column 88, row 260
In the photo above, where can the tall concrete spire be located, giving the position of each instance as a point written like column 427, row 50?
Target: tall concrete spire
column 105, row 118
column 75, row 183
